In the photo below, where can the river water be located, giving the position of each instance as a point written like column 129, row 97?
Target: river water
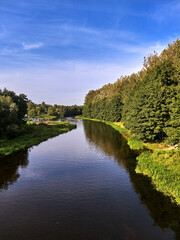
column 82, row 186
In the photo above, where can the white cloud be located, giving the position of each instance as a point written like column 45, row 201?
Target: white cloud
column 32, row 46
column 65, row 82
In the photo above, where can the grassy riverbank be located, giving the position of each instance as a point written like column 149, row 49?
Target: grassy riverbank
column 155, row 160
column 33, row 134
column 163, row 167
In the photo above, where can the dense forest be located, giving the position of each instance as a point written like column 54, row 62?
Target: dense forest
column 44, row 110
column 147, row 102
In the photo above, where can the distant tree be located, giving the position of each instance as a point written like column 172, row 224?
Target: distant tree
column 31, row 109
column 43, row 108
column 51, row 111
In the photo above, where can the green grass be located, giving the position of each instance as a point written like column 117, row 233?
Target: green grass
column 45, row 117
column 163, row 167
column 119, row 127
column 92, row 119
column 58, row 123
column 156, row 146
column 32, row 134
column 135, row 144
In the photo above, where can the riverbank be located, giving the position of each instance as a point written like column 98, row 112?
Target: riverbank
column 33, row 134
column 155, row 160
column 133, row 142
column 163, row 167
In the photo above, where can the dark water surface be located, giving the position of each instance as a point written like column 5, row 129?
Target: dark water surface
column 82, row 186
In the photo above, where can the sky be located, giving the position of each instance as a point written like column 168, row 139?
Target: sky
column 57, row 50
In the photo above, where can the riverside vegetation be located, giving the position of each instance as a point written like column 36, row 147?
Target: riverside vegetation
column 148, row 105
column 32, row 134
column 50, row 112
column 15, row 133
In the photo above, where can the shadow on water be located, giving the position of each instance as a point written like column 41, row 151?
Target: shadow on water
column 104, row 137
column 9, row 167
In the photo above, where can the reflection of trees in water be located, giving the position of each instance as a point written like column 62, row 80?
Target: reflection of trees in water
column 9, row 168
column 107, row 139
column 164, row 213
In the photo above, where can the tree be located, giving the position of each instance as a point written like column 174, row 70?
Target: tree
column 147, row 111
column 12, row 111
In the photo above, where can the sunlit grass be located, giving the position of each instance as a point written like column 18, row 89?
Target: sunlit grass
column 32, row 134
column 156, row 146
column 163, row 167
column 136, row 144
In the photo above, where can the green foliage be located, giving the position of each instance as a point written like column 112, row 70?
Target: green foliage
column 164, row 169
column 46, row 111
column 32, row 134
column 104, row 109
column 117, row 127
column 20, row 101
column 51, row 111
column 12, row 111
column 148, row 103
column 135, row 144
column 173, row 124
column 147, row 111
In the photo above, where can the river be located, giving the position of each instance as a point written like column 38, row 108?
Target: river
column 81, row 185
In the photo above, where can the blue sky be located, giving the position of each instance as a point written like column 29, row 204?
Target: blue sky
column 56, row 51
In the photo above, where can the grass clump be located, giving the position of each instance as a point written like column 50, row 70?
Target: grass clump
column 119, row 127
column 163, row 167
column 135, row 144
column 32, row 134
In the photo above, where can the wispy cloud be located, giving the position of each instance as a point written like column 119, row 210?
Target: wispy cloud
column 69, row 47
column 63, row 82
column 166, row 11
column 32, row 46
column 7, row 51
column 141, row 49
column 2, row 31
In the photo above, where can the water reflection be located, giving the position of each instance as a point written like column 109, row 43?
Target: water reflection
column 106, row 138
column 9, row 167
column 164, row 213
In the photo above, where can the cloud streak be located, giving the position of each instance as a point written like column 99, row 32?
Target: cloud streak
column 65, row 82
column 167, row 11
column 32, row 46
column 2, row 32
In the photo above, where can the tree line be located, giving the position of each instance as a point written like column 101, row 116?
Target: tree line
column 147, row 102
column 44, row 110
